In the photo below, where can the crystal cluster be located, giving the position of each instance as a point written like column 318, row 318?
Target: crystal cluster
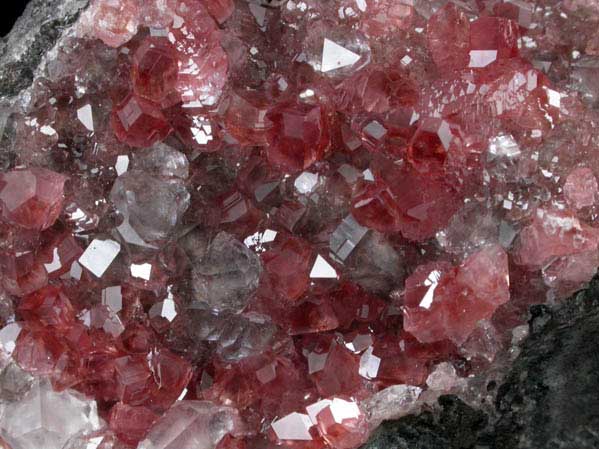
column 231, row 224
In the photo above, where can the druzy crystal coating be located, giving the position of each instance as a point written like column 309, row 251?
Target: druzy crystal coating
column 231, row 224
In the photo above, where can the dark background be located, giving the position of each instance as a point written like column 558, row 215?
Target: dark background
column 11, row 11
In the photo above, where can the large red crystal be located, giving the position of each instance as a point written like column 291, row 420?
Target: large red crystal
column 299, row 136
column 155, row 70
column 446, row 302
column 31, row 198
column 139, row 122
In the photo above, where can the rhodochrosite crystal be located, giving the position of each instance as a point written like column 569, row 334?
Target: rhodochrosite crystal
column 231, row 224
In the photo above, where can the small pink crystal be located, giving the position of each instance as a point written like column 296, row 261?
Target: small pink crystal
column 342, row 424
column 115, row 22
column 554, row 233
column 139, row 122
column 581, row 188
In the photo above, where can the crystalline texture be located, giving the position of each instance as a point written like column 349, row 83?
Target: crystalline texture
column 445, row 302
column 191, row 425
column 31, row 198
column 317, row 215
column 44, row 418
column 152, row 206
column 226, row 275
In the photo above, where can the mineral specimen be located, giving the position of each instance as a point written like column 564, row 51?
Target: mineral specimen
column 231, row 224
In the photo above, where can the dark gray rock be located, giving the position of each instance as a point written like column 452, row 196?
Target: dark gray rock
column 34, row 34
column 456, row 425
column 551, row 397
column 549, row 400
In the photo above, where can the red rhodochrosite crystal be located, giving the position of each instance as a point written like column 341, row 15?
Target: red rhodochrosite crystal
column 495, row 35
column 264, row 224
column 155, row 69
column 139, row 122
column 299, row 136
column 31, row 198
column 445, row 302
column 448, row 33
column 287, row 269
column 49, row 306
column 554, row 233
column 405, row 200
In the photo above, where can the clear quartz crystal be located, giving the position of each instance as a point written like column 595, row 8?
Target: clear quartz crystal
column 45, row 418
column 150, row 205
column 392, row 403
column 191, row 425
column 227, row 274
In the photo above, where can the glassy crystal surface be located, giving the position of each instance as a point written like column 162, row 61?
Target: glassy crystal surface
column 152, row 206
column 227, row 274
column 248, row 224
column 191, row 425
column 44, row 418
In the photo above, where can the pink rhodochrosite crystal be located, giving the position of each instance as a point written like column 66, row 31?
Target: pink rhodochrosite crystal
column 230, row 224
column 445, row 302
column 581, row 188
column 31, row 198
column 448, row 34
column 299, row 136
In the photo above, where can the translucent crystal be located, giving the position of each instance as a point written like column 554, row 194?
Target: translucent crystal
column 293, row 427
column 227, row 274
column 45, row 418
column 162, row 160
column 346, row 237
column 236, row 336
column 392, row 403
column 191, row 425
column 14, row 382
column 152, row 206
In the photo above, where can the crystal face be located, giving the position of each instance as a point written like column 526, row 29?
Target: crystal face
column 232, row 224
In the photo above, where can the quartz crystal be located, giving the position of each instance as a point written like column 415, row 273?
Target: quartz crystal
column 192, row 425
column 227, row 274
column 231, row 224
column 51, row 418
column 150, row 205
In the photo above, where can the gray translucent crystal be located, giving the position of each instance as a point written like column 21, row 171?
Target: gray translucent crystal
column 236, row 336
column 150, row 205
column 375, row 265
column 46, row 419
column 14, row 382
column 470, row 228
column 244, row 336
column 191, row 425
column 162, row 160
column 227, row 274
column 346, row 237
column 584, row 78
